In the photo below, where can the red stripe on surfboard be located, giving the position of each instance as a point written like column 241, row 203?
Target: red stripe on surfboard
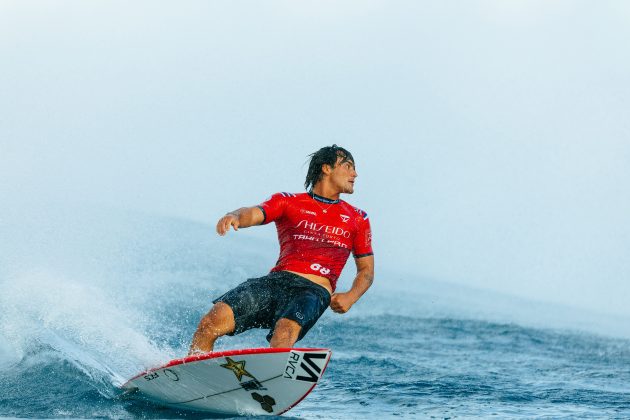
column 217, row 354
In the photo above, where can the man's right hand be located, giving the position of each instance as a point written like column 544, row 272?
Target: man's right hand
column 224, row 223
column 240, row 219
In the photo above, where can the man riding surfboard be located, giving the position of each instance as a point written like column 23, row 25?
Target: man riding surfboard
column 317, row 232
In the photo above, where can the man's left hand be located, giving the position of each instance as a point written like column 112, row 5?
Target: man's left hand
column 341, row 302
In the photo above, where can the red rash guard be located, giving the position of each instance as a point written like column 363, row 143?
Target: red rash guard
column 317, row 234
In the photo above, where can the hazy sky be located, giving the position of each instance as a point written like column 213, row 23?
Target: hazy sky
column 492, row 138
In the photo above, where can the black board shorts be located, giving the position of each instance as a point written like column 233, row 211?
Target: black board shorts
column 261, row 302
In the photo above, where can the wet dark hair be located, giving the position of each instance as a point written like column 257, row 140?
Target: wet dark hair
column 325, row 156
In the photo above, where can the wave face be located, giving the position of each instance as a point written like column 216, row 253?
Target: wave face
column 89, row 298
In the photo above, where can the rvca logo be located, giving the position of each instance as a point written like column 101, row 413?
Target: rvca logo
column 305, row 366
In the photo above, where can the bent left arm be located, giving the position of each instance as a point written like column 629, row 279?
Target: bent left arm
column 342, row 302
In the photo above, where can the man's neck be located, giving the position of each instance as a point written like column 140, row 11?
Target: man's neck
column 326, row 192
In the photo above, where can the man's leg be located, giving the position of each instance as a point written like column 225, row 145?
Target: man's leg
column 285, row 333
column 216, row 323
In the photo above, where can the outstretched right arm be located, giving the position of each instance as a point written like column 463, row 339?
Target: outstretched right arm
column 241, row 218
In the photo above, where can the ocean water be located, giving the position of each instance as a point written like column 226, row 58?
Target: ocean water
column 89, row 298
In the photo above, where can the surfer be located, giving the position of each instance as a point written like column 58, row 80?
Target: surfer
column 317, row 231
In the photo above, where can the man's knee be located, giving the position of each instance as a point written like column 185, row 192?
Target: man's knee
column 216, row 323
column 219, row 320
column 285, row 333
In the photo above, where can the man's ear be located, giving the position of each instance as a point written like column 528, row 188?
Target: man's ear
column 326, row 169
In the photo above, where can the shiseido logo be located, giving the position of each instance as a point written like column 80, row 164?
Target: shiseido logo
column 317, row 227
column 344, row 218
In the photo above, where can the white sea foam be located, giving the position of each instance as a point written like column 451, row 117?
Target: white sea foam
column 79, row 320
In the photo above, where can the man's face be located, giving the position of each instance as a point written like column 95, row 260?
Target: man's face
column 343, row 175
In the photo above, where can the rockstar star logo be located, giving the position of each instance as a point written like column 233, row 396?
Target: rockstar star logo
column 237, row 367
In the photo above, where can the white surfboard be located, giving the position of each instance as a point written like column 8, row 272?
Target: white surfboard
column 236, row 382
